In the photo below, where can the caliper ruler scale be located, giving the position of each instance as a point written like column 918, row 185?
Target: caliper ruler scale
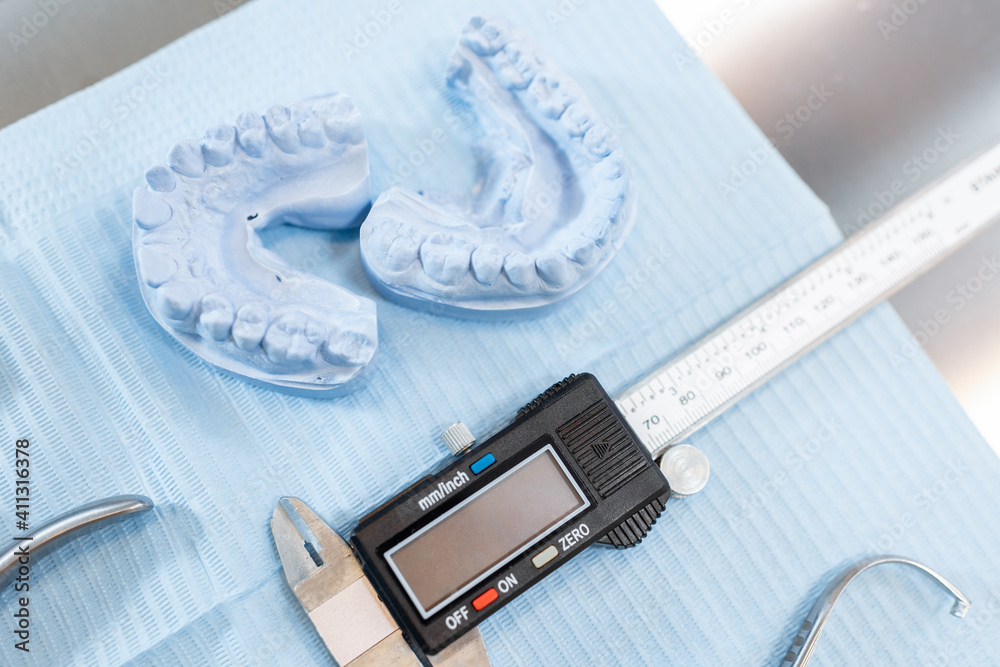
column 701, row 383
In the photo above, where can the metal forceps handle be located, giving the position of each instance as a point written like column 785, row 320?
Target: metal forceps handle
column 804, row 643
column 50, row 535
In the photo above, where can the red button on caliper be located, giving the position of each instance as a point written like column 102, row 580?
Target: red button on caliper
column 486, row 598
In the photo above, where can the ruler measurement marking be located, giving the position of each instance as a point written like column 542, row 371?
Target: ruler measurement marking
column 738, row 357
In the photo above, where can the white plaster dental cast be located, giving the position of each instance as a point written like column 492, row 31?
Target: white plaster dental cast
column 206, row 276
column 552, row 204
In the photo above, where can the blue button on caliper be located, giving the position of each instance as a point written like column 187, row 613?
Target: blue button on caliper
column 482, row 464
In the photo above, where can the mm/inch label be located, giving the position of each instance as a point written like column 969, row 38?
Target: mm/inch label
column 701, row 383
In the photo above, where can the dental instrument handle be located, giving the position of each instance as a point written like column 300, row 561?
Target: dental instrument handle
column 804, row 643
column 70, row 524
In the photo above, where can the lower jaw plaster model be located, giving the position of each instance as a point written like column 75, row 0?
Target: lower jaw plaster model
column 553, row 203
column 204, row 273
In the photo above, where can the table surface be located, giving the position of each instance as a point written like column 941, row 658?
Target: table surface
column 888, row 83
column 892, row 82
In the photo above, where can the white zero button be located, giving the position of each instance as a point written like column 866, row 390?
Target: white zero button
column 543, row 557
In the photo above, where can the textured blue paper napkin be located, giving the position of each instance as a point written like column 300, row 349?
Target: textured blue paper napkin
column 841, row 455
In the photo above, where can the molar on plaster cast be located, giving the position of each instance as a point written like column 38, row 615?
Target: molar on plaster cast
column 205, row 275
column 554, row 201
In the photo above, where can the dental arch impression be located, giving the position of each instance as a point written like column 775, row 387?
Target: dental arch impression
column 206, row 276
column 552, row 204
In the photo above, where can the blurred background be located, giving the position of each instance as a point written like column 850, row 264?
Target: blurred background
column 896, row 75
column 855, row 93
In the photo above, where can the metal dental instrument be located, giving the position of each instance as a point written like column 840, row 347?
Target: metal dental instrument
column 805, row 641
column 355, row 625
column 70, row 524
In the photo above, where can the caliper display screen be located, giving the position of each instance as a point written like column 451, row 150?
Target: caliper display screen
column 463, row 546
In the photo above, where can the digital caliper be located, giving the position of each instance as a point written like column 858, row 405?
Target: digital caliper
column 446, row 553
column 457, row 546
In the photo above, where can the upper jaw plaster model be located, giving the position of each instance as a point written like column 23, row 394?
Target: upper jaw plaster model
column 204, row 273
column 553, row 202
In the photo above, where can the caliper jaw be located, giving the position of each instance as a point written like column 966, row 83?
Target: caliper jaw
column 355, row 625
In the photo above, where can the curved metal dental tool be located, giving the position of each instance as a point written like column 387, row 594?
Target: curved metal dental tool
column 70, row 524
column 804, row 643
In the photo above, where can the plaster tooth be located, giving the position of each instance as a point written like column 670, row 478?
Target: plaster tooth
column 219, row 145
column 520, row 269
column 155, row 267
column 160, row 178
column 487, row 263
column 148, row 210
column 283, row 128
column 349, row 347
column 250, row 326
column 516, row 65
column 583, row 251
column 293, row 339
column 250, row 134
column 216, row 317
column 577, row 119
column 443, row 259
column 186, row 158
column 210, row 281
column 176, row 299
column 555, row 269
